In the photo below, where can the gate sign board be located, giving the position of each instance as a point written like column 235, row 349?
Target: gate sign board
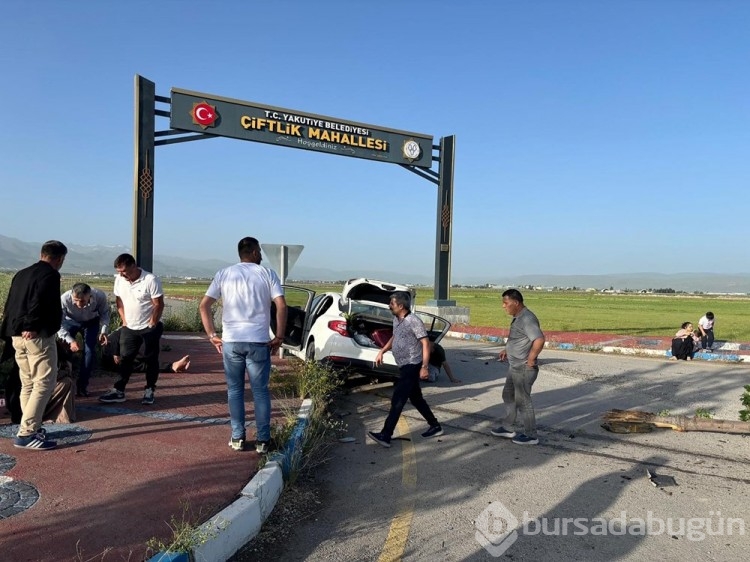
column 226, row 117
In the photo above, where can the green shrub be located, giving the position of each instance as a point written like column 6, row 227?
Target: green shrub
column 321, row 383
column 704, row 413
column 745, row 399
column 185, row 317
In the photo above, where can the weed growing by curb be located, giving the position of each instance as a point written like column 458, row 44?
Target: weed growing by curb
column 186, row 535
column 320, row 383
column 745, row 399
column 704, row 413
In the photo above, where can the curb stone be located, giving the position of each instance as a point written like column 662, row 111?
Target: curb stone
column 600, row 347
column 236, row 525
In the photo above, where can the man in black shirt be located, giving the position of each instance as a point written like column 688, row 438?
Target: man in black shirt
column 31, row 319
column 438, row 361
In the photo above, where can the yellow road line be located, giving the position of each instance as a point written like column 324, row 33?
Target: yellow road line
column 395, row 542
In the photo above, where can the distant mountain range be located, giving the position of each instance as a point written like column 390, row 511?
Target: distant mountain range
column 16, row 254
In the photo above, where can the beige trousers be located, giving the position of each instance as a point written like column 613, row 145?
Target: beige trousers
column 37, row 366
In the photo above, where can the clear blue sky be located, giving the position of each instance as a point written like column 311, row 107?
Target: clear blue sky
column 592, row 137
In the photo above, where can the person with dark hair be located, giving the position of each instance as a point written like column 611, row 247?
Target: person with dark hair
column 86, row 311
column 140, row 304
column 524, row 344
column 438, row 361
column 31, row 319
column 411, row 349
column 247, row 290
column 683, row 343
column 706, row 326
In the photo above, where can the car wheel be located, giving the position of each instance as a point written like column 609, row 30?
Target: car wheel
column 310, row 352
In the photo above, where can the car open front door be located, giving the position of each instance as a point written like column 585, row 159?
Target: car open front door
column 298, row 302
column 436, row 326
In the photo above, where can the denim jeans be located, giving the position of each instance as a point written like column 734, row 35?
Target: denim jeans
column 517, row 396
column 90, row 330
column 255, row 359
column 707, row 341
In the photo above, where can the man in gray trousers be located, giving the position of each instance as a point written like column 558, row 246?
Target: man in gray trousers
column 525, row 343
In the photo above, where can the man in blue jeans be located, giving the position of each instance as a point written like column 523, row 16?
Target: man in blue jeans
column 84, row 310
column 411, row 349
column 247, row 290
column 525, row 343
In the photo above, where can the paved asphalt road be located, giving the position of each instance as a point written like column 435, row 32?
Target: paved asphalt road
column 464, row 496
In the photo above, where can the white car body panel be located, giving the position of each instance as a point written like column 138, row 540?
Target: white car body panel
column 309, row 336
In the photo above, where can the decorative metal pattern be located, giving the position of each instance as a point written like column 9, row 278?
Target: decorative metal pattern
column 446, row 216
column 146, row 181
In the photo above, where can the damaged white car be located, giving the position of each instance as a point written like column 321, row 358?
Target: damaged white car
column 347, row 329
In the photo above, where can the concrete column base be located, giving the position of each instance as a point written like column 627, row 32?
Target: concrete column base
column 453, row 314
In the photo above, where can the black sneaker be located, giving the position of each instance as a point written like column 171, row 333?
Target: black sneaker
column 434, row 431
column 113, row 395
column 36, row 442
column 261, row 447
column 380, row 439
column 237, row 444
column 502, row 432
column 148, row 396
column 522, row 439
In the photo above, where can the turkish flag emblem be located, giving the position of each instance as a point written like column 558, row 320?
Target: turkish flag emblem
column 204, row 114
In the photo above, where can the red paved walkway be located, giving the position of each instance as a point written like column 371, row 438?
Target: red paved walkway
column 593, row 340
column 141, row 466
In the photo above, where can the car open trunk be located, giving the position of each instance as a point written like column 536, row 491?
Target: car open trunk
column 370, row 330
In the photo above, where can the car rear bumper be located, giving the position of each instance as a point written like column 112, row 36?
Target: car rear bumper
column 360, row 365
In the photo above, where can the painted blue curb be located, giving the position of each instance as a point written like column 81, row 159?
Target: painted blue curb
column 170, row 557
column 292, row 452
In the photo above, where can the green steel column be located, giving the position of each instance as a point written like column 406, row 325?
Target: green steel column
column 143, row 188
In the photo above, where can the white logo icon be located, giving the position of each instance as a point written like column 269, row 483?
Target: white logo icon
column 496, row 529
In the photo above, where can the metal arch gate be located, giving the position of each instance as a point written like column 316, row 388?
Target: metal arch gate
column 193, row 117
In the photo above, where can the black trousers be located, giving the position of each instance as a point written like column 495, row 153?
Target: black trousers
column 130, row 344
column 682, row 348
column 407, row 388
column 707, row 341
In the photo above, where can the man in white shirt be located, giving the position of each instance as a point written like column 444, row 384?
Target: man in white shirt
column 140, row 303
column 247, row 290
column 84, row 310
column 706, row 326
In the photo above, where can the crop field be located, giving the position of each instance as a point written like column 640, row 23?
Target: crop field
column 570, row 311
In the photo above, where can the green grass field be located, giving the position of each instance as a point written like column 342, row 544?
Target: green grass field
column 570, row 311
